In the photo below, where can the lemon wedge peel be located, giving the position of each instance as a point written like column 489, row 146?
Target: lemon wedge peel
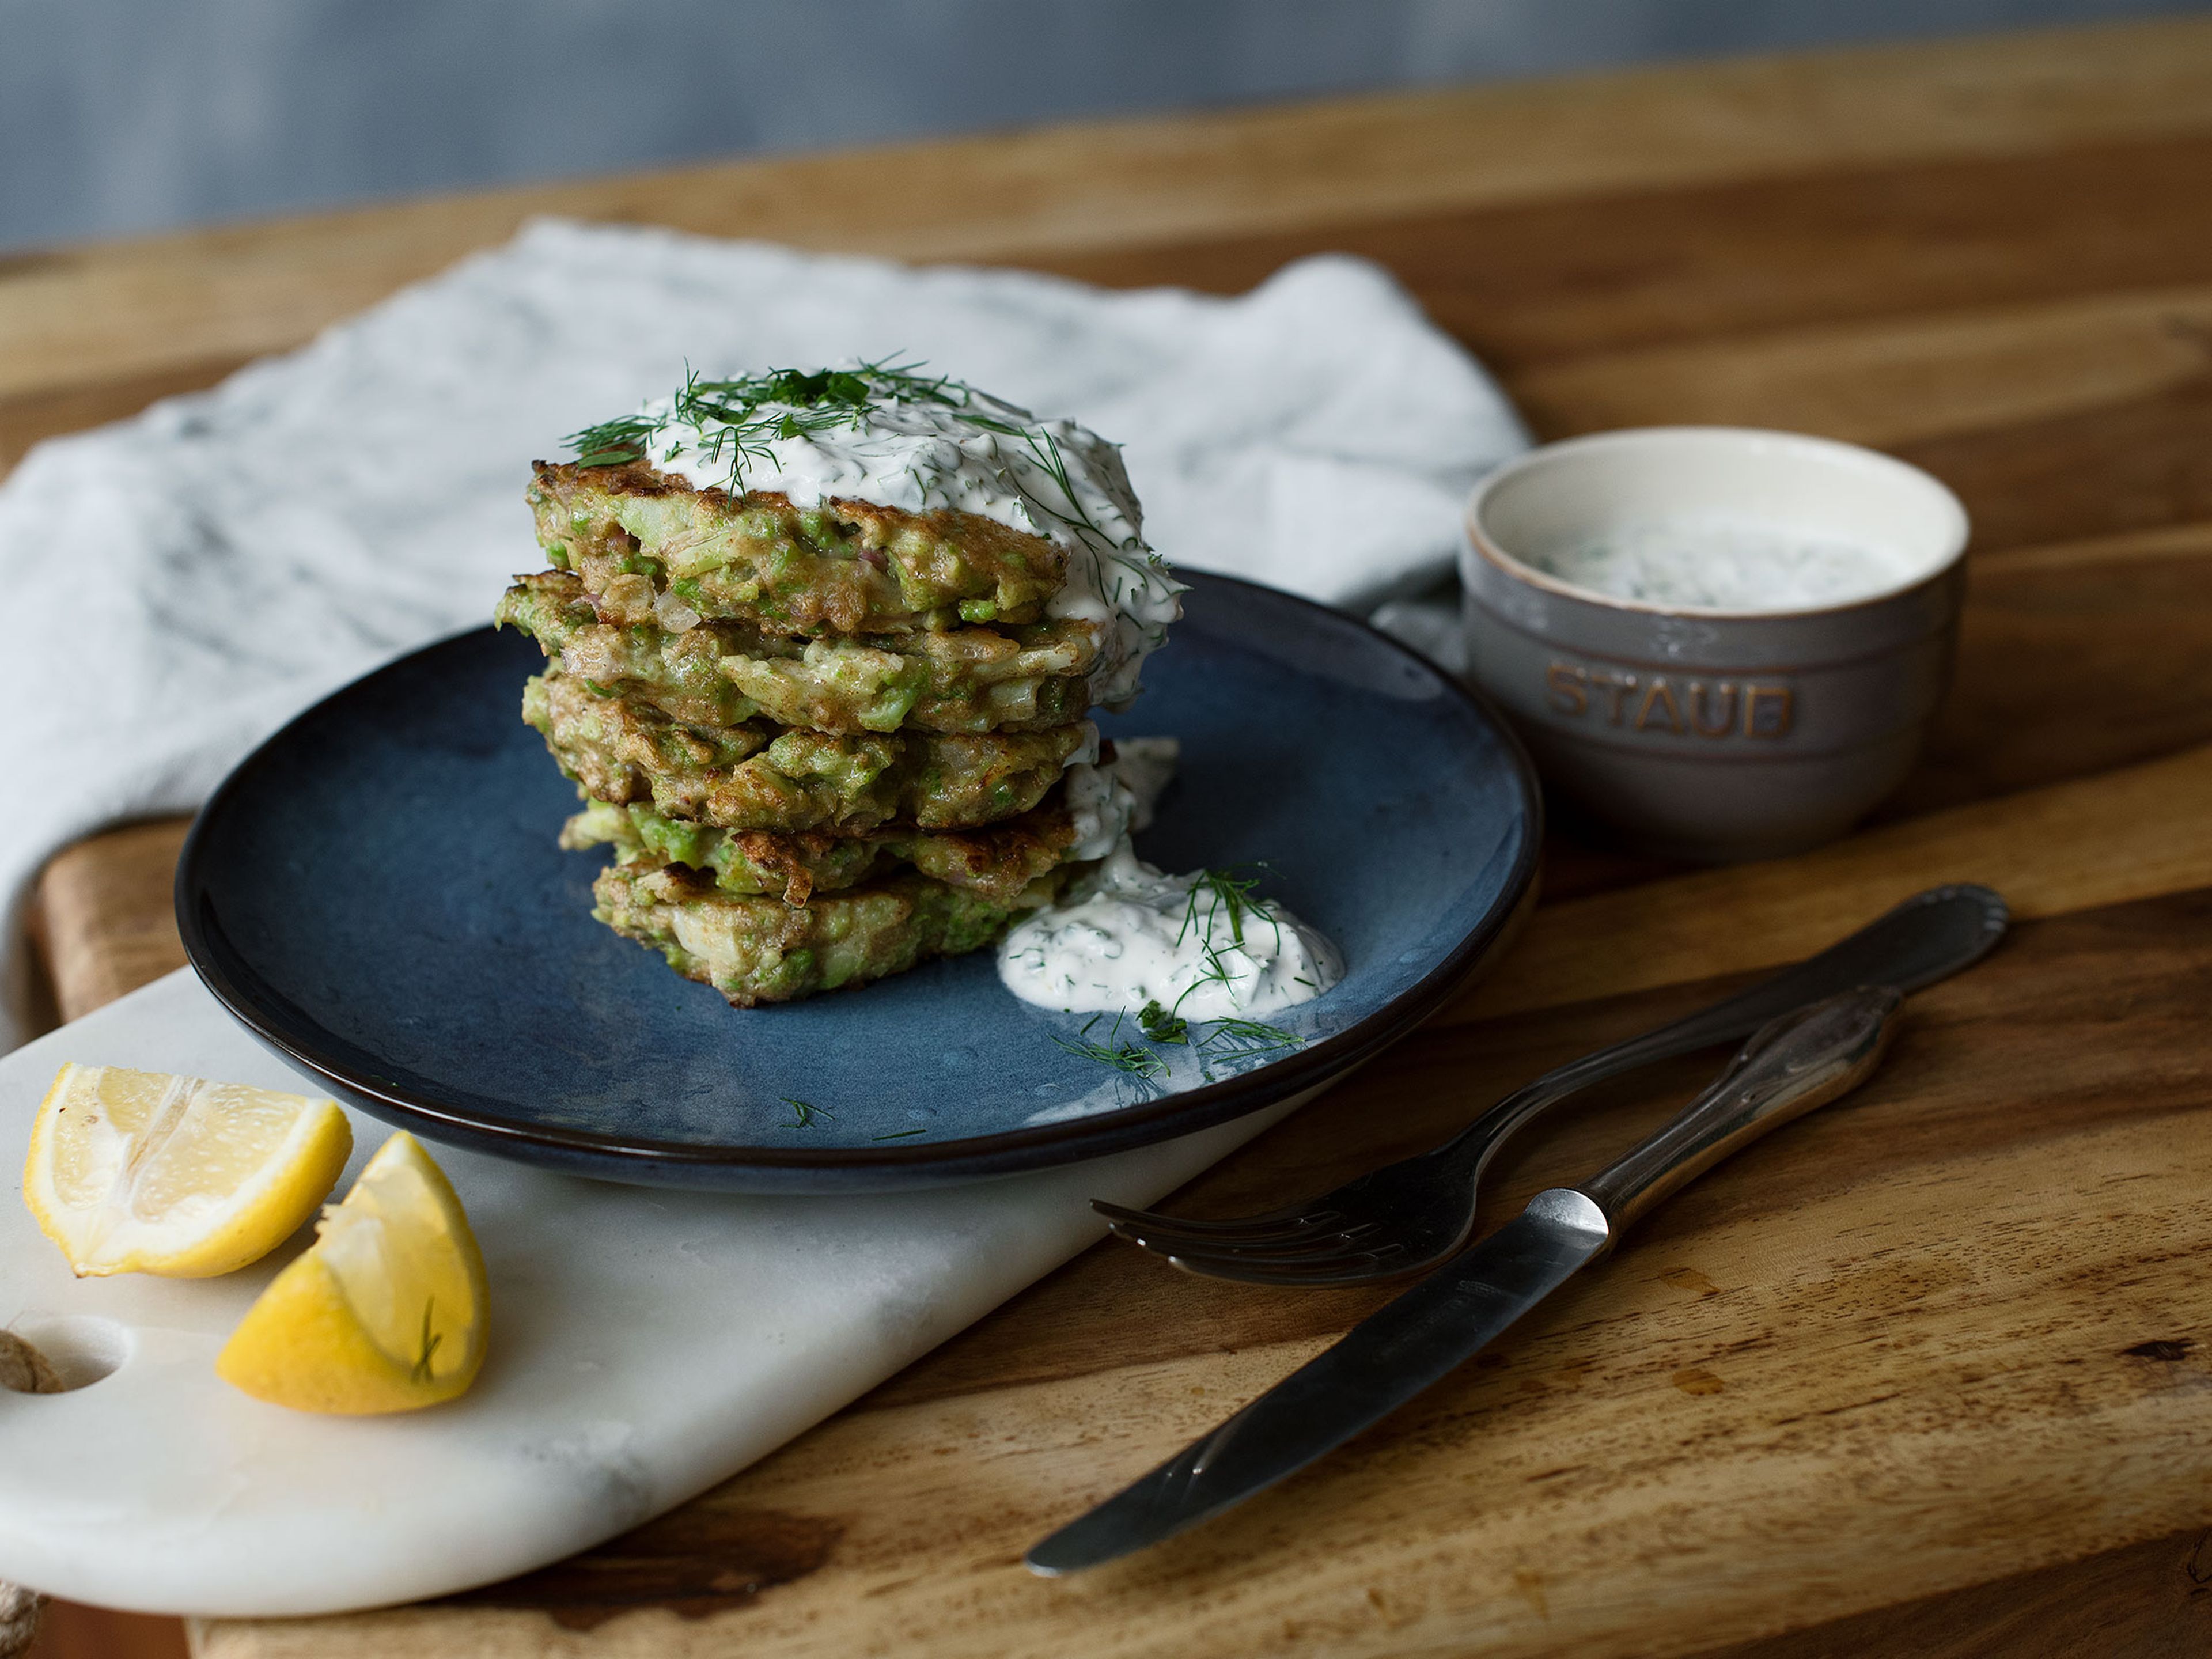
column 384, row 1313
column 145, row 1172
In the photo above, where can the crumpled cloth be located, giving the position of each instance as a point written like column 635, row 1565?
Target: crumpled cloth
column 187, row 579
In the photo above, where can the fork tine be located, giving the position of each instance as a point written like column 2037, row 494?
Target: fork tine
column 1360, row 1268
column 1327, row 1247
column 1281, row 1247
column 1171, row 1237
column 1269, row 1221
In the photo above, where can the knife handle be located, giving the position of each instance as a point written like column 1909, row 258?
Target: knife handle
column 1791, row 1065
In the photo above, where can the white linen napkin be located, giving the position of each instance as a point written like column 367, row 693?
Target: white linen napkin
column 193, row 576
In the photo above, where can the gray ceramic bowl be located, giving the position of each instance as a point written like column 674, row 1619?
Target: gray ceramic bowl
column 1748, row 729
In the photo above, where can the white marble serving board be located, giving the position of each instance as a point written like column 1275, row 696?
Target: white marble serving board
column 644, row 1343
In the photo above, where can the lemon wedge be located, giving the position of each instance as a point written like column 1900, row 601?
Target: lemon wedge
column 143, row 1172
column 384, row 1313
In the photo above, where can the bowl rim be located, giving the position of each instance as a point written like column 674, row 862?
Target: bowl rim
column 1478, row 540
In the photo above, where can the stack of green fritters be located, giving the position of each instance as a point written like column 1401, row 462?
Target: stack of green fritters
column 823, row 743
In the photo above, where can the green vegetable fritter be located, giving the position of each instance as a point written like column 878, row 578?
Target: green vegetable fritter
column 631, row 534
column 762, row 950
column 998, row 862
column 963, row 679
column 620, row 749
column 680, row 674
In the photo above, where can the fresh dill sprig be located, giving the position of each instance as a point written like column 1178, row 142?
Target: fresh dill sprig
column 1250, row 1037
column 1120, row 1056
column 804, row 1113
column 1127, row 1058
column 1224, row 1039
column 1229, row 892
column 1240, row 1040
column 740, row 417
column 611, row 443
column 1131, row 552
column 429, row 1346
column 1232, row 895
column 744, row 415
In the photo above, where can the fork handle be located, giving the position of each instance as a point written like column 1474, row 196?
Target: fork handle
column 1929, row 936
column 1791, row 1065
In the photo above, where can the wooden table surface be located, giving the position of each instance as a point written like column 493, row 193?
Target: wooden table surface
column 1928, row 1374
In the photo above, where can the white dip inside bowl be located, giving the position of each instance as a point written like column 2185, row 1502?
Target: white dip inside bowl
column 1722, row 563
column 1718, row 520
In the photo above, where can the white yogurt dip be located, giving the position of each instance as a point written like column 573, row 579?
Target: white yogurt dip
column 924, row 444
column 1145, row 766
column 1110, row 800
column 1725, row 564
column 1199, row 945
column 1203, row 950
column 1103, row 808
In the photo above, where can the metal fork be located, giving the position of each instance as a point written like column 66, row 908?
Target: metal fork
column 1411, row 1214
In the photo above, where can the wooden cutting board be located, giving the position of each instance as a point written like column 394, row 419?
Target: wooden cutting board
column 1927, row 1375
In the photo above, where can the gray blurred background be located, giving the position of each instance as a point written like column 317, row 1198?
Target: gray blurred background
column 118, row 116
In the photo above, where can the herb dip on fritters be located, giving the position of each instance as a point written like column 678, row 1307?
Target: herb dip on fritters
column 880, row 437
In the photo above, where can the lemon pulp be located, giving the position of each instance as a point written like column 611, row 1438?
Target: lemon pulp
column 146, row 1172
column 384, row 1313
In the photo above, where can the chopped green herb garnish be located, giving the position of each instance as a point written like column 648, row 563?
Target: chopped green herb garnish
column 1230, row 893
column 737, row 419
column 899, row 1135
column 428, row 1347
column 1127, row 1058
column 1217, row 897
column 1232, row 897
column 1249, row 1036
column 745, row 415
column 803, row 1113
column 1162, row 1027
column 1120, row 1056
column 1241, row 1039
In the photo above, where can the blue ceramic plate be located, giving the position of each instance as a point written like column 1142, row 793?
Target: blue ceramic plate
column 376, row 893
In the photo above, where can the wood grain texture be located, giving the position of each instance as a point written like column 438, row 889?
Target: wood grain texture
column 2150, row 1601
column 71, row 1632
column 1926, row 1375
column 2124, row 835
column 1530, row 283
column 113, row 313
column 1901, row 381
column 105, row 919
column 1954, row 1331
column 2073, row 660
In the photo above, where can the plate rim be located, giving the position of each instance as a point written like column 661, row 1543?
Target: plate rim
column 1005, row 1151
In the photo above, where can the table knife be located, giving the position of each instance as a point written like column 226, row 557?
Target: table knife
column 1790, row 1065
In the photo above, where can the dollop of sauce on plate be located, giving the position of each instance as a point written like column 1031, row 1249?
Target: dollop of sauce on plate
column 927, row 444
column 1202, row 946
column 1724, row 564
column 1128, row 936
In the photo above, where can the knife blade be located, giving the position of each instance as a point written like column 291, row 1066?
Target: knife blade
column 1380, row 1364
column 1793, row 1064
